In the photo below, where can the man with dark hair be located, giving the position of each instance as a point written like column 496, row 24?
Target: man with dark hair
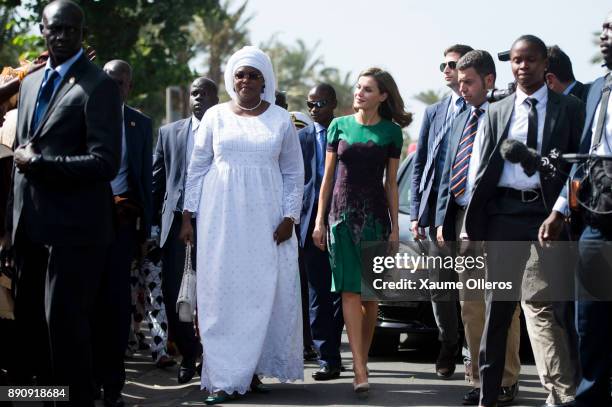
column 428, row 167
column 326, row 321
column 69, row 149
column 476, row 76
column 175, row 143
column 508, row 205
column 594, row 311
column 560, row 75
column 132, row 196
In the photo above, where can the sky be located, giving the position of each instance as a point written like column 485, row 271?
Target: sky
column 408, row 37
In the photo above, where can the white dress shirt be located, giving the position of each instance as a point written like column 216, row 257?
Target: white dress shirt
column 475, row 159
column 195, row 125
column 604, row 148
column 513, row 175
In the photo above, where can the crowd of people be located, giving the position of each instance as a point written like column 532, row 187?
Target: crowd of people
column 275, row 207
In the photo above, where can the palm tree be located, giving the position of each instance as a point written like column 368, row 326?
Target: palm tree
column 430, row 96
column 596, row 59
column 218, row 33
column 343, row 85
column 296, row 68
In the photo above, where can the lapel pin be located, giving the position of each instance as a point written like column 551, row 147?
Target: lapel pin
column 133, row 124
column 71, row 80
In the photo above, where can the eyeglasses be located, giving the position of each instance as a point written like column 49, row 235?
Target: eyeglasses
column 249, row 75
column 451, row 65
column 318, row 103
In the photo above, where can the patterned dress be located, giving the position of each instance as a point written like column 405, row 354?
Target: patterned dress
column 359, row 210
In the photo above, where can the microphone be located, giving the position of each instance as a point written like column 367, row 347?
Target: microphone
column 518, row 153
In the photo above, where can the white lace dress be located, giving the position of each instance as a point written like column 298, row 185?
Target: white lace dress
column 245, row 175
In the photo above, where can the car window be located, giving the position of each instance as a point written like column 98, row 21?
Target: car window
column 404, row 184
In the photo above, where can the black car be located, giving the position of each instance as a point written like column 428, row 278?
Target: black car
column 414, row 318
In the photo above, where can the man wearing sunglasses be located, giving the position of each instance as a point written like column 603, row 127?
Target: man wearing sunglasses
column 427, row 172
column 326, row 321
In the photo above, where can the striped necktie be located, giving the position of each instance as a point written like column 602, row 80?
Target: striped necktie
column 431, row 155
column 464, row 153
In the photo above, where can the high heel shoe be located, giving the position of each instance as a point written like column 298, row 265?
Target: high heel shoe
column 361, row 389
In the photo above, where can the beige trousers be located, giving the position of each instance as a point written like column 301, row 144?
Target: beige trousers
column 553, row 339
column 473, row 317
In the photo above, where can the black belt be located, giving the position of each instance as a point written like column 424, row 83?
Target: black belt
column 525, row 196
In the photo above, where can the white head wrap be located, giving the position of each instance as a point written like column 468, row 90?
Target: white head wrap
column 255, row 58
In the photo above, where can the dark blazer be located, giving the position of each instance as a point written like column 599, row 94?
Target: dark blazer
column 308, row 143
column 433, row 121
column 139, row 144
column 580, row 90
column 592, row 101
column 66, row 198
column 169, row 168
column 446, row 206
column 562, row 128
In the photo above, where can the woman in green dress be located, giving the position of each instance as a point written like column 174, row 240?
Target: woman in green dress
column 363, row 206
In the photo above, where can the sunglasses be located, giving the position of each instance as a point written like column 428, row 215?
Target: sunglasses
column 249, row 75
column 318, row 103
column 451, row 65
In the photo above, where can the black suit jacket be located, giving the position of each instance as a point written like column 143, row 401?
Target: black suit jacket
column 66, row 198
column 139, row 144
column 308, row 143
column 580, row 90
column 562, row 129
column 169, row 168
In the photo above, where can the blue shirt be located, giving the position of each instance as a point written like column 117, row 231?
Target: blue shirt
column 62, row 70
column 321, row 144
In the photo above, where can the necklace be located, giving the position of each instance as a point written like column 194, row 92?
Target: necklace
column 248, row 109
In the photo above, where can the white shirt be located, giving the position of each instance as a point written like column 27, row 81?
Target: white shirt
column 603, row 149
column 513, row 175
column 464, row 199
column 120, row 185
column 195, row 125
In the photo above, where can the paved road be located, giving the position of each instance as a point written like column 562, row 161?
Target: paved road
column 408, row 379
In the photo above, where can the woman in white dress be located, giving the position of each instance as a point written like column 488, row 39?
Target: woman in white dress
column 245, row 183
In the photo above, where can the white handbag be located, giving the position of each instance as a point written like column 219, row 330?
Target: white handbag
column 186, row 301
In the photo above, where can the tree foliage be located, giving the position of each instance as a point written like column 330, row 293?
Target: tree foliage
column 146, row 33
column 430, row 96
column 218, row 33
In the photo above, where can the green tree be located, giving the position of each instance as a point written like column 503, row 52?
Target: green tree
column 296, row 67
column 218, row 33
column 430, row 96
column 596, row 59
column 344, row 86
column 147, row 34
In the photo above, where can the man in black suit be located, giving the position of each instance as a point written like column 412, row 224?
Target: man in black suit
column 326, row 321
column 508, row 205
column 560, row 75
column 428, row 167
column 69, row 148
column 132, row 196
column 593, row 310
column 172, row 155
column 476, row 76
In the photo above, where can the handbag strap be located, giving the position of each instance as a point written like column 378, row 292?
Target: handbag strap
column 188, row 266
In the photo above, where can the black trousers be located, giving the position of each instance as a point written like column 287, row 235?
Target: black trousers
column 505, row 262
column 114, row 311
column 173, row 262
column 54, row 308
